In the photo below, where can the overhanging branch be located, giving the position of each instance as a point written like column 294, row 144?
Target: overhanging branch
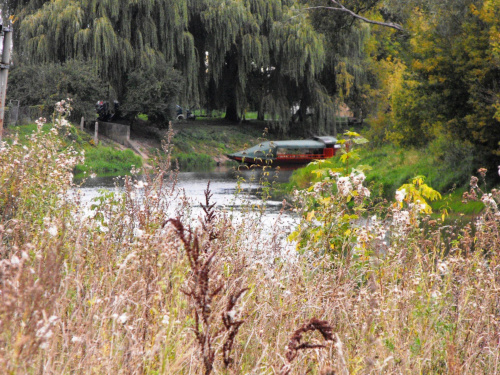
column 342, row 8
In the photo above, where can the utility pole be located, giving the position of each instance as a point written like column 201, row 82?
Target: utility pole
column 6, row 36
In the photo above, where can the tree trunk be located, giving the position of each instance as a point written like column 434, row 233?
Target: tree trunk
column 261, row 115
column 232, row 111
column 230, row 86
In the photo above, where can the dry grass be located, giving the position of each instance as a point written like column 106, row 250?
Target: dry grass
column 132, row 291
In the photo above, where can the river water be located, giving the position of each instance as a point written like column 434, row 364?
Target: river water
column 233, row 191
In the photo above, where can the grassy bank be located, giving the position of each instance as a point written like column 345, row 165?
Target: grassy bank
column 389, row 167
column 204, row 142
column 137, row 285
column 102, row 159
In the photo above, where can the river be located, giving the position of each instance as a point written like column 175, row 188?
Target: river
column 226, row 194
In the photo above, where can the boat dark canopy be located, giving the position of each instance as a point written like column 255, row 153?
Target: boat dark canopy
column 328, row 141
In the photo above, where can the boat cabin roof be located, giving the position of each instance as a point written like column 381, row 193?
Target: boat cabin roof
column 292, row 144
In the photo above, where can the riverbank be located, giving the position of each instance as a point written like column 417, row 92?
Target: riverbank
column 203, row 144
column 200, row 143
column 388, row 167
column 107, row 158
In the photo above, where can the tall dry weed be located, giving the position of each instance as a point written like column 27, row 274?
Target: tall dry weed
column 117, row 291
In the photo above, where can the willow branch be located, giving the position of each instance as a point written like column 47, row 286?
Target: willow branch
column 342, row 8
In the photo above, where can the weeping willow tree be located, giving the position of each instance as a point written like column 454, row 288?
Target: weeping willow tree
column 348, row 73
column 117, row 36
column 233, row 53
column 260, row 52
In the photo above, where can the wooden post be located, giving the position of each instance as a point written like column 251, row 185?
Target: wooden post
column 4, row 72
column 96, row 133
column 82, row 122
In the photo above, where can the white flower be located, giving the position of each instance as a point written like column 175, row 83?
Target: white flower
column 442, row 267
column 165, row 319
column 231, row 315
column 400, row 195
column 435, row 294
column 401, row 218
column 344, row 186
column 138, row 232
column 123, row 318
column 63, row 122
column 76, row 339
column 52, row 231
column 488, row 201
column 358, row 178
column 103, row 229
column 44, row 333
column 363, row 191
column 15, row 260
column 40, row 122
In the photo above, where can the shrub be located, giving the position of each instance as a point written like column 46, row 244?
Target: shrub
column 45, row 84
column 153, row 91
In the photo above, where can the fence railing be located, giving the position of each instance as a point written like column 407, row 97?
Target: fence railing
column 22, row 115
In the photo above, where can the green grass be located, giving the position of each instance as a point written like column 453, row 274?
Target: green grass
column 103, row 159
column 389, row 167
column 215, row 140
column 218, row 115
column 194, row 160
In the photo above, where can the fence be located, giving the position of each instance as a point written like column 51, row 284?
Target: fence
column 17, row 115
column 117, row 132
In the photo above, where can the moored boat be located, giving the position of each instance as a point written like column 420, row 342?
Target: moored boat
column 293, row 152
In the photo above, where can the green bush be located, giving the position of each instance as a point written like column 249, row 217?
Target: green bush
column 153, row 92
column 45, row 84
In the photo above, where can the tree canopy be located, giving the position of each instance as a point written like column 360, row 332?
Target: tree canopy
column 451, row 83
column 232, row 54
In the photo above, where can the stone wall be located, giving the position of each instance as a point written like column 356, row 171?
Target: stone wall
column 117, row 132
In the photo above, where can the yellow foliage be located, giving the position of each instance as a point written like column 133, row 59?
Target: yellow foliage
column 418, row 193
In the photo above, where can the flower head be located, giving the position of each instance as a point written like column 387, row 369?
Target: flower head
column 400, row 195
column 344, row 186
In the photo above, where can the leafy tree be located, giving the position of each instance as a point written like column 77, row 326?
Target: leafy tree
column 259, row 47
column 452, row 84
column 153, row 91
column 116, row 36
column 220, row 46
column 46, row 84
